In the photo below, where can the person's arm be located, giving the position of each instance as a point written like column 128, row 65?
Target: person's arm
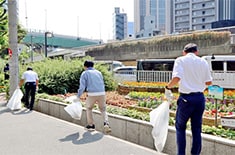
column 37, row 81
column 208, row 83
column 21, row 82
column 173, row 82
column 82, row 85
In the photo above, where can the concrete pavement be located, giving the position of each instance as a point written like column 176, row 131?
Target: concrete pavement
column 34, row 133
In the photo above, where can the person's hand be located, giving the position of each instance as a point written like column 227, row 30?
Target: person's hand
column 168, row 95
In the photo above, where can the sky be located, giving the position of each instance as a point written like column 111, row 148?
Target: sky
column 91, row 19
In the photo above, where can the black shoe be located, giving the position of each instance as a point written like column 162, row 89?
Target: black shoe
column 26, row 106
column 90, row 127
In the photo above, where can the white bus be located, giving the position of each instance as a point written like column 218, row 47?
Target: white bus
column 222, row 68
column 154, row 70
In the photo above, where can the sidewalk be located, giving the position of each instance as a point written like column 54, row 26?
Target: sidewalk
column 34, row 133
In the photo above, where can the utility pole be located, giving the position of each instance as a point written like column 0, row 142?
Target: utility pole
column 13, row 44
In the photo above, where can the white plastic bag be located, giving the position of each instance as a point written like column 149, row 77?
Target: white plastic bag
column 15, row 101
column 159, row 119
column 75, row 108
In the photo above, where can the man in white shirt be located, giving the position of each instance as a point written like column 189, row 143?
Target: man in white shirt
column 193, row 75
column 30, row 79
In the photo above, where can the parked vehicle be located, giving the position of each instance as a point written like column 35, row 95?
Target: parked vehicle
column 154, row 70
column 111, row 64
column 223, row 70
column 125, row 73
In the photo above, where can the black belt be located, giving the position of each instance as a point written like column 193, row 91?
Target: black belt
column 30, row 83
column 192, row 93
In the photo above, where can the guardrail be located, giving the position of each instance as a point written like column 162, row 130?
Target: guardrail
column 220, row 78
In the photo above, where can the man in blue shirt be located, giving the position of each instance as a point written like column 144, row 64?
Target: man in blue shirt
column 92, row 81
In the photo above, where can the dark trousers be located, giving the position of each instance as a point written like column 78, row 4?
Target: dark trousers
column 30, row 90
column 189, row 106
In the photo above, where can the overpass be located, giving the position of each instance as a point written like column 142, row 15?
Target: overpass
column 38, row 40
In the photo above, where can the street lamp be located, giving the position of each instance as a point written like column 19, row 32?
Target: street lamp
column 49, row 35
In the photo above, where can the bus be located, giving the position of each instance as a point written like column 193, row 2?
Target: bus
column 222, row 68
column 155, row 70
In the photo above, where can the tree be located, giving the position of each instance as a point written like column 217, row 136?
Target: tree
column 21, row 33
column 3, row 26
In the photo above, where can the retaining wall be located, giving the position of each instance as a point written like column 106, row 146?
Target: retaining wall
column 137, row 131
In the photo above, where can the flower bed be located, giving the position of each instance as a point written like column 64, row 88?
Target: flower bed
column 150, row 95
column 147, row 96
column 124, row 89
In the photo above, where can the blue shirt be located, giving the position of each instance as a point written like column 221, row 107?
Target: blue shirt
column 92, row 81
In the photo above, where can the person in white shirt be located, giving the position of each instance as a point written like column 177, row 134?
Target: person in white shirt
column 193, row 75
column 30, row 80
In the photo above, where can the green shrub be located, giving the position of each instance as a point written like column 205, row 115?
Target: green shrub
column 58, row 76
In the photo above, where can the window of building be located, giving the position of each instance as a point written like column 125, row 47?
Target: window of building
column 203, row 19
column 203, row 12
column 203, row 26
column 203, row 5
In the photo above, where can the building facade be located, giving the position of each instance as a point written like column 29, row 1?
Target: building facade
column 159, row 17
column 150, row 17
column 119, row 25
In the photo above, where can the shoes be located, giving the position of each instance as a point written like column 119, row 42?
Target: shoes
column 90, row 127
column 26, row 106
column 107, row 128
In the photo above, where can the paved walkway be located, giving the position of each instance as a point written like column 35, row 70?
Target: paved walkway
column 34, row 133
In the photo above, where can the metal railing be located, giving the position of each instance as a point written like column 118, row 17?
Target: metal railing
column 154, row 76
column 220, row 78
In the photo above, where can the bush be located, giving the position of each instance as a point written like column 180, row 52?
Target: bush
column 58, row 76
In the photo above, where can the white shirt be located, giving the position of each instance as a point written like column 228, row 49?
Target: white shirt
column 30, row 76
column 193, row 72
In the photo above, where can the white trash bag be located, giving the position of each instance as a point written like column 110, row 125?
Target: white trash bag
column 159, row 119
column 15, row 101
column 74, row 109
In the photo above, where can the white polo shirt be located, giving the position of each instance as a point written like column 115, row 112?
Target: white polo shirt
column 193, row 72
column 30, row 76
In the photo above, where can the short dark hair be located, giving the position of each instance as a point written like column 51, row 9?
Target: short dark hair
column 88, row 63
column 29, row 68
column 190, row 48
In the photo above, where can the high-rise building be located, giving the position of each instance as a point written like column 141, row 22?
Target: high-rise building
column 130, row 29
column 159, row 17
column 119, row 25
column 150, row 17
column 193, row 14
column 226, row 9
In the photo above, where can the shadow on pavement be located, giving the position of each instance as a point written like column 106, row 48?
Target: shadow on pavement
column 4, row 110
column 87, row 137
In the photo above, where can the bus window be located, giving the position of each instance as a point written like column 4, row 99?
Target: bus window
column 155, row 65
column 230, row 65
column 217, row 65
